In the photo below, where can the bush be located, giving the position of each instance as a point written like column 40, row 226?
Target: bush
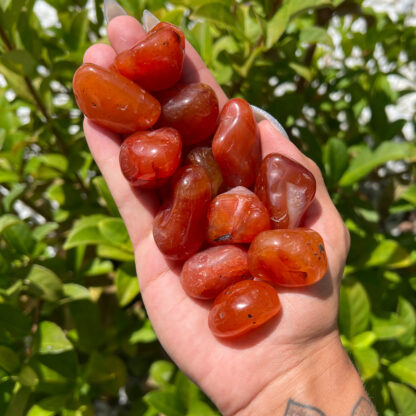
column 73, row 331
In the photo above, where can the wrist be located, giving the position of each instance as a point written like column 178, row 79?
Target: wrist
column 322, row 379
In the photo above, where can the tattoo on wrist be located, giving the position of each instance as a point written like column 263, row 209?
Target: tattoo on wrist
column 363, row 407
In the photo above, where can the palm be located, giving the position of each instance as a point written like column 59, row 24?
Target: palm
column 231, row 373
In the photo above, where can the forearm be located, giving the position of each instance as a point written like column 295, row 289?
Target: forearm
column 324, row 384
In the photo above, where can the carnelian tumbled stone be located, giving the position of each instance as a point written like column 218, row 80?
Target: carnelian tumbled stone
column 192, row 109
column 243, row 307
column 147, row 158
column 236, row 216
column 179, row 227
column 156, row 62
column 112, row 101
column 236, row 145
column 165, row 25
column 286, row 188
column 202, row 156
column 291, row 258
column 206, row 274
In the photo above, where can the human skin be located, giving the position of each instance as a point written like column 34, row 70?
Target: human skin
column 295, row 364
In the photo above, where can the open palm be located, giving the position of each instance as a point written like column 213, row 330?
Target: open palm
column 232, row 373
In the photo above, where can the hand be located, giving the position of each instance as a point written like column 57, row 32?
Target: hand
column 235, row 374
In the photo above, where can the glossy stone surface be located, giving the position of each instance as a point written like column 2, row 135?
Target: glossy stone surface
column 147, row 158
column 202, row 156
column 156, row 62
column 292, row 258
column 243, row 307
column 286, row 188
column 236, row 145
column 112, row 101
column 179, row 227
column 236, row 216
column 165, row 25
column 206, row 274
column 192, row 109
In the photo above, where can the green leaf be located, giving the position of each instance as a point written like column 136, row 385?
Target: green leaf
column 7, row 176
column 276, row 26
column 49, row 406
column 9, row 360
column 391, row 254
column 404, row 398
column 107, row 371
column 364, row 340
column 198, row 408
column 185, row 389
column 4, row 4
column 302, row 70
column 143, row 335
column 7, row 220
column 388, row 328
column 28, row 377
column 315, row 34
column 335, row 158
column 41, row 231
column 410, row 194
column 50, row 339
column 18, row 402
column 162, row 372
column 366, row 161
column 299, row 6
column 104, row 192
column 83, row 236
column 166, row 402
column 19, row 61
column 405, row 370
column 73, row 291
column 15, row 192
column 14, row 321
column 367, row 361
column 407, row 316
column 215, row 12
column 79, row 30
column 20, row 238
column 354, row 314
column 114, row 253
column 114, row 230
column 45, row 281
column 127, row 284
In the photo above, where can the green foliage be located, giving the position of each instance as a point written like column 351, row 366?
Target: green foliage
column 73, row 330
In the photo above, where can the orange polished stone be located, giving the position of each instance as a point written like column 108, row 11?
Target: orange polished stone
column 179, row 227
column 112, row 101
column 236, row 216
column 147, row 158
column 156, row 62
column 291, row 258
column 286, row 188
column 236, row 145
column 242, row 307
column 192, row 109
column 165, row 25
column 202, row 156
column 209, row 272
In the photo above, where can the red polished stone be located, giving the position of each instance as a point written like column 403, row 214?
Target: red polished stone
column 165, row 25
column 179, row 227
column 202, row 156
column 147, row 158
column 209, row 272
column 286, row 188
column 242, row 307
column 156, row 62
column 236, row 145
column 236, row 216
column 192, row 109
column 112, row 101
column 291, row 258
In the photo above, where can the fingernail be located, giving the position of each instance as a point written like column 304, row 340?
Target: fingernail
column 260, row 115
column 112, row 9
column 149, row 20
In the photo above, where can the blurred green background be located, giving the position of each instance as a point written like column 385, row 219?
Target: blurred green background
column 340, row 76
